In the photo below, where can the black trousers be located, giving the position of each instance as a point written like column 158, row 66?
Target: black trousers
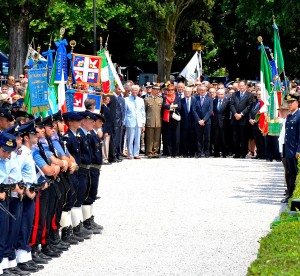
column 39, row 223
column 291, row 164
column 203, row 139
column 272, row 147
column 27, row 218
column 4, row 222
column 188, row 141
column 92, row 189
column 172, row 137
column 51, row 215
column 220, row 141
column 117, row 138
column 83, row 179
column 259, row 141
column 15, row 207
column 240, row 139
column 71, row 199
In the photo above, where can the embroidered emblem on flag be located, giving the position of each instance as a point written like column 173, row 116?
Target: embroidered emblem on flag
column 87, row 69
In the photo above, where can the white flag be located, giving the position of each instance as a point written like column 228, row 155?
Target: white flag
column 193, row 70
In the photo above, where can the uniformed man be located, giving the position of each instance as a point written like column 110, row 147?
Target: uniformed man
column 8, row 173
column 292, row 141
column 96, row 149
column 153, row 107
column 58, row 192
column 72, row 141
column 27, row 165
column 5, row 119
column 83, row 173
column 62, row 209
column 48, row 167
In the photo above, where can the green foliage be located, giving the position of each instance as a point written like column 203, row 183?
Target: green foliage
column 279, row 252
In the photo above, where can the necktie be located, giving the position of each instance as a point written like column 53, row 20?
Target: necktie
column 202, row 100
column 219, row 105
column 242, row 95
column 188, row 104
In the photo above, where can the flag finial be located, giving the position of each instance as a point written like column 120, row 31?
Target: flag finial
column 62, row 32
column 273, row 18
column 260, row 39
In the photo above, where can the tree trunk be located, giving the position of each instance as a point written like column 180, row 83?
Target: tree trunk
column 165, row 54
column 17, row 40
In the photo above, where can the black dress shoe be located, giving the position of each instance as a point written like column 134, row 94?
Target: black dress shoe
column 60, row 247
column 38, row 260
column 45, row 257
column 27, row 267
column 206, row 155
column 18, row 271
column 47, row 250
column 7, row 272
column 285, row 200
column 96, row 224
column 236, row 156
column 55, row 249
column 88, row 225
column 80, row 233
column 39, row 267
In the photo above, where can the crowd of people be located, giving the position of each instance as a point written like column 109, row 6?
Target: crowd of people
column 50, row 167
column 181, row 121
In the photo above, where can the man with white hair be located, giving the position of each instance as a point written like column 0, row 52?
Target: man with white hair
column 134, row 121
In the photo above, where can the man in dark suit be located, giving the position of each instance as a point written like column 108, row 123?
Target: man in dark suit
column 221, row 110
column 108, row 129
column 202, row 111
column 187, row 124
column 240, row 106
column 117, row 108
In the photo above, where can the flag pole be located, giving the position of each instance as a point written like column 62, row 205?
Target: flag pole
column 287, row 89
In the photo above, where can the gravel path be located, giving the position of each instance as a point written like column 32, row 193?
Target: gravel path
column 178, row 217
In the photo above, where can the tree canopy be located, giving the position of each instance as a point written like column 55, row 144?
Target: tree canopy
column 159, row 31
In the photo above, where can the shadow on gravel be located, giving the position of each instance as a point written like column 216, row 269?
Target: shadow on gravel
column 266, row 190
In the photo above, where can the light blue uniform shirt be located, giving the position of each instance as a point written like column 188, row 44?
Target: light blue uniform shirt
column 10, row 172
column 27, row 165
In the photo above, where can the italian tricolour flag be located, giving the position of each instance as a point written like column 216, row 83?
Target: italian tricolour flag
column 265, row 79
column 104, row 73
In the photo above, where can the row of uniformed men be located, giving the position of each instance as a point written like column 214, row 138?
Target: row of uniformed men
column 49, row 182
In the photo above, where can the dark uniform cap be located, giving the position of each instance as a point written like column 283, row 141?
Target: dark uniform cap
column 148, row 84
column 48, row 121
column 13, row 130
column 38, row 121
column 8, row 142
column 18, row 103
column 291, row 97
column 72, row 116
column 6, row 114
column 6, row 106
column 57, row 116
column 87, row 115
column 24, row 114
column 99, row 116
column 28, row 128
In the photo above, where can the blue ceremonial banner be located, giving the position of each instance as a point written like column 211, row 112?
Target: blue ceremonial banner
column 61, row 61
column 38, row 86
